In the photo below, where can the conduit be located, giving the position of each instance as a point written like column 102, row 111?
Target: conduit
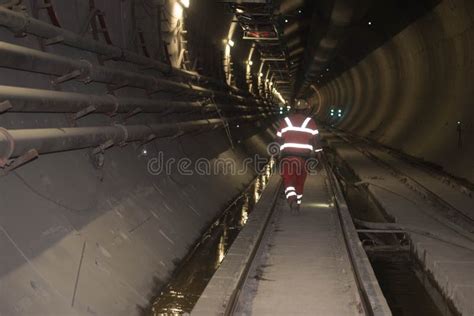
column 22, row 58
column 16, row 142
column 22, row 23
column 47, row 101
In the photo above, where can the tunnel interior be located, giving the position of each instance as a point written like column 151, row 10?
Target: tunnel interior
column 127, row 127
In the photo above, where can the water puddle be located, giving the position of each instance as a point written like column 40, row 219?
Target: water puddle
column 182, row 292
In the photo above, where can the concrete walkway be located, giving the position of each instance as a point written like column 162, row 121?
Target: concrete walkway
column 305, row 269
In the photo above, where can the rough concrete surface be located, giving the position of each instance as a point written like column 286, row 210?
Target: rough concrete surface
column 449, row 258
column 307, row 270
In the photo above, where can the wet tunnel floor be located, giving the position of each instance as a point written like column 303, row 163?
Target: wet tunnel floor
column 403, row 290
column 184, row 289
column 405, row 294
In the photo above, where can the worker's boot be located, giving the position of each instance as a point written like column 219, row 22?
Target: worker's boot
column 294, row 207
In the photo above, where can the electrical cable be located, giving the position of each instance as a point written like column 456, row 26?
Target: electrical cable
column 47, row 198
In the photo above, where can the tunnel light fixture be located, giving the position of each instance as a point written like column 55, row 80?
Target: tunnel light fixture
column 300, row 11
column 286, row 20
column 184, row 3
column 230, row 42
column 459, row 122
column 370, row 23
column 237, row 126
column 239, row 10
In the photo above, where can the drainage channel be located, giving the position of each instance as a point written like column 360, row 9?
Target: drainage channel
column 181, row 293
column 389, row 253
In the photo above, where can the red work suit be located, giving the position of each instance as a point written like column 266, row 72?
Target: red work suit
column 298, row 140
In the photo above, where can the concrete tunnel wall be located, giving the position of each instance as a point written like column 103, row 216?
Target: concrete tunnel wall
column 76, row 240
column 410, row 93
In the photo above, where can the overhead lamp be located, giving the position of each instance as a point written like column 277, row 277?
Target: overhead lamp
column 239, row 10
column 299, row 11
column 184, row 3
column 286, row 20
column 370, row 23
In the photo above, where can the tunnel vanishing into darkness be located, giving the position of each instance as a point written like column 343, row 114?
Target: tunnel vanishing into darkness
column 111, row 113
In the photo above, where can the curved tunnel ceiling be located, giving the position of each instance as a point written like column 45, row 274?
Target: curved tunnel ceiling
column 412, row 93
column 399, row 70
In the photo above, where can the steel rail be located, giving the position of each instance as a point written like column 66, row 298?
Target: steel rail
column 373, row 299
column 369, row 290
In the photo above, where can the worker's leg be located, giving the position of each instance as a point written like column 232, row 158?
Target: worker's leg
column 300, row 180
column 287, row 168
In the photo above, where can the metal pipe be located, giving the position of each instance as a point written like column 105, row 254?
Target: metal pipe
column 22, row 58
column 16, row 142
column 48, row 101
column 19, row 22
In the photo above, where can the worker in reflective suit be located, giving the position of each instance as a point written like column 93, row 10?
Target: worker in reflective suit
column 299, row 141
